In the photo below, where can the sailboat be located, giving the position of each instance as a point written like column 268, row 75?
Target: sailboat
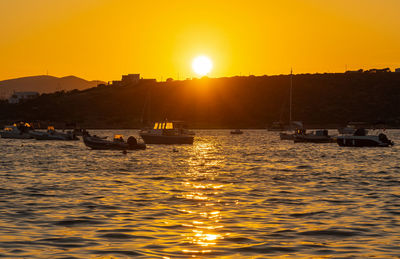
column 298, row 125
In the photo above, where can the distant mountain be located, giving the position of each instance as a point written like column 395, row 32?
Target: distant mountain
column 44, row 84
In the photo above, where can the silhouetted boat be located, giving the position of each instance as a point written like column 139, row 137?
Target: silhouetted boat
column 117, row 143
column 166, row 133
column 352, row 126
column 19, row 130
column 319, row 136
column 52, row 134
column 361, row 139
column 296, row 128
column 236, row 132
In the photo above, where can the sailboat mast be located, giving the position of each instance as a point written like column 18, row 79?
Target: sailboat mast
column 290, row 101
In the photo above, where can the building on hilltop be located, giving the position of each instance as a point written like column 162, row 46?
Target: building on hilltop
column 375, row 70
column 18, row 97
column 131, row 79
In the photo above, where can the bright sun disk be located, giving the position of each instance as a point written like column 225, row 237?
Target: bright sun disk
column 202, row 65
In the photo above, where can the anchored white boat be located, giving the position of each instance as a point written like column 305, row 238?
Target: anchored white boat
column 17, row 131
column 167, row 133
column 361, row 139
column 52, row 134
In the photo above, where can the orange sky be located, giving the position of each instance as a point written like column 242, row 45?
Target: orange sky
column 103, row 39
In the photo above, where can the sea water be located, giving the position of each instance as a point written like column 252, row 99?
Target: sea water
column 225, row 196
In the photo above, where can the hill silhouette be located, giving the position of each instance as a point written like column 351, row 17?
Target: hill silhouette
column 235, row 102
column 44, row 84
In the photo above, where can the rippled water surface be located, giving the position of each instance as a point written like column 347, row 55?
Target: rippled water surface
column 226, row 196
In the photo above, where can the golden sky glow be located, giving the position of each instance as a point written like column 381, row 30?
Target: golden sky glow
column 102, row 39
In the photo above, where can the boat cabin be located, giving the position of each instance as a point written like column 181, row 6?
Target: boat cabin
column 163, row 125
column 169, row 125
column 119, row 138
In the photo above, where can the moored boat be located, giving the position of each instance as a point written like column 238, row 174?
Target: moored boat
column 118, row 143
column 166, row 133
column 352, row 126
column 319, row 136
column 52, row 134
column 361, row 139
column 290, row 135
column 296, row 126
column 19, row 130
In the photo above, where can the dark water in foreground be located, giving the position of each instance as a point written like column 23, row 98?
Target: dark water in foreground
column 226, row 196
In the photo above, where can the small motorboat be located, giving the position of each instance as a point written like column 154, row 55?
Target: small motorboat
column 360, row 138
column 291, row 133
column 236, row 132
column 352, row 126
column 166, row 133
column 291, row 136
column 319, row 136
column 118, row 143
column 19, row 130
column 52, row 134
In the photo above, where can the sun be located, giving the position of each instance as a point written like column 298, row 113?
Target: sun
column 202, row 65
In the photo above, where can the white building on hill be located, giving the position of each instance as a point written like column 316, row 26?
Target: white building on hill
column 17, row 97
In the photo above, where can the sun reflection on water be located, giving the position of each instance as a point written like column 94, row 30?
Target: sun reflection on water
column 204, row 228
